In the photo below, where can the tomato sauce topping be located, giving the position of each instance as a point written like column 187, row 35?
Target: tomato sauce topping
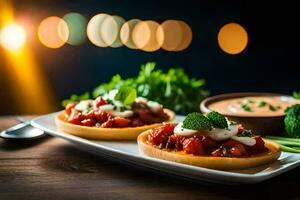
column 142, row 115
column 163, row 137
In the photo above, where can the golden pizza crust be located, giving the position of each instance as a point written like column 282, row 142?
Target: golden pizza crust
column 222, row 163
column 94, row 133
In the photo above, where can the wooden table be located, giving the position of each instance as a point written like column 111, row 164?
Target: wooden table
column 51, row 168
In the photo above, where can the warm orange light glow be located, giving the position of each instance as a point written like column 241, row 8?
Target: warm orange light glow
column 232, row 38
column 53, row 32
column 126, row 33
column 144, row 36
column 94, row 30
column 12, row 37
column 26, row 83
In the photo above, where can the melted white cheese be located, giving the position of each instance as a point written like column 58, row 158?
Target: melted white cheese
column 179, row 130
column 245, row 140
column 217, row 134
column 84, row 105
column 223, row 134
column 154, row 106
column 116, row 111
column 111, row 94
column 141, row 100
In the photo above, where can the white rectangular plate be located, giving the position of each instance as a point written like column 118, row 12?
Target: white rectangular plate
column 128, row 152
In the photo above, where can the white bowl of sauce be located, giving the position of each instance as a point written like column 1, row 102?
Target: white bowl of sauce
column 261, row 112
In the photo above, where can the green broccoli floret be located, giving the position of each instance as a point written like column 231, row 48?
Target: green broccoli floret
column 218, row 120
column 292, row 121
column 197, row 121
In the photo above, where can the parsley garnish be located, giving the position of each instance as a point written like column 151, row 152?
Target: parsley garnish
column 246, row 107
column 261, row 104
column 126, row 95
column 272, row 108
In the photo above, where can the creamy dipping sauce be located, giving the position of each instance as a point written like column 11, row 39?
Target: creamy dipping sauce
column 254, row 106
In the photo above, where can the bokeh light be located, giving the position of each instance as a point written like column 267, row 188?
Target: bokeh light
column 12, row 36
column 126, row 33
column 94, row 30
column 110, row 30
column 53, row 32
column 187, row 36
column 169, row 35
column 144, row 36
column 77, row 28
column 232, row 38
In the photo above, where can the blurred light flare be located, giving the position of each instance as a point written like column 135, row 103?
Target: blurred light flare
column 53, row 32
column 232, row 38
column 27, row 83
column 12, row 36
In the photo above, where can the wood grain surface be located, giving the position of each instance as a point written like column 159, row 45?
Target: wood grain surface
column 51, row 168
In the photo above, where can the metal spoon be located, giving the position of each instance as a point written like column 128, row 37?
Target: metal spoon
column 22, row 131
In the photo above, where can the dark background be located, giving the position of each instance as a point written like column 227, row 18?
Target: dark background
column 269, row 62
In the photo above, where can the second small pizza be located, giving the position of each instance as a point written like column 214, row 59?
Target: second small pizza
column 117, row 115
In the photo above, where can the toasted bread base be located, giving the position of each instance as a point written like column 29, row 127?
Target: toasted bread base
column 222, row 163
column 94, row 133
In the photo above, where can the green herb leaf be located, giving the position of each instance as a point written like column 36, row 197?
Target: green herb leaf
column 272, row 108
column 296, row 95
column 247, row 100
column 261, row 104
column 218, row 120
column 197, row 121
column 126, row 95
column 246, row 107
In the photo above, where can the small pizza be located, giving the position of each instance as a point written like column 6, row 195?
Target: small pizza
column 116, row 115
column 210, row 141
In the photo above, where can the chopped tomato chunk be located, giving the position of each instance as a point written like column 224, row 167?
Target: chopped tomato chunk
column 69, row 107
column 136, row 122
column 208, row 142
column 108, row 124
column 89, row 115
column 217, row 153
column 193, row 146
column 236, row 152
column 99, row 102
column 160, row 135
column 260, row 144
column 101, row 116
column 121, row 121
column 88, row 122
column 75, row 117
column 175, row 142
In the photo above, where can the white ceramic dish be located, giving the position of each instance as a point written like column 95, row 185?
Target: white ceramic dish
column 127, row 152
